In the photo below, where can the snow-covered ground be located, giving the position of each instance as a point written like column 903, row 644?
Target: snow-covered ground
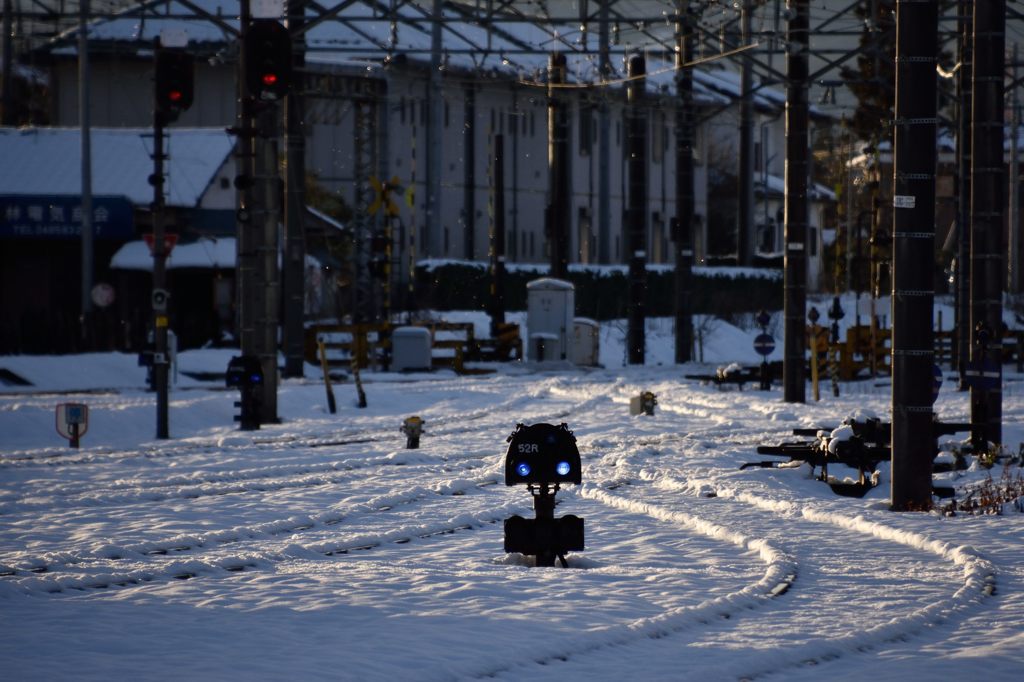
column 321, row 548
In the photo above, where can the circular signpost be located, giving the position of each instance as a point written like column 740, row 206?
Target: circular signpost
column 764, row 344
column 72, row 421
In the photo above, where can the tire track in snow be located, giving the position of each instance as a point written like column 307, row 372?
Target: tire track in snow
column 56, row 561
column 235, row 442
column 44, row 584
column 186, row 543
column 779, row 575
column 308, row 477
column 979, row 581
column 301, row 481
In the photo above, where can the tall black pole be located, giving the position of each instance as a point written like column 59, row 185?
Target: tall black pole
column 266, row 214
column 604, row 145
column 7, row 96
column 294, row 262
column 85, row 125
column 797, row 142
column 558, row 213
column 246, row 282
column 963, row 150
column 913, row 285
column 498, row 234
column 988, row 186
column 160, row 299
column 469, row 172
column 636, row 126
column 683, row 232
column 433, row 244
column 745, row 176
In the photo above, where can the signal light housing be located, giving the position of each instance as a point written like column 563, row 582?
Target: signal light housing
column 543, row 456
column 542, row 453
column 244, row 371
column 268, row 60
column 175, row 79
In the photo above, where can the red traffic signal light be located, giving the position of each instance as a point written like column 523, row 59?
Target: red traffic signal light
column 174, row 81
column 268, row 60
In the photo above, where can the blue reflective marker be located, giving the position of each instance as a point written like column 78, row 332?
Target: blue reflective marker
column 523, row 469
column 562, row 468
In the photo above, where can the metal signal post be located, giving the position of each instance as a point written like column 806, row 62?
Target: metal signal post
column 172, row 94
column 265, row 74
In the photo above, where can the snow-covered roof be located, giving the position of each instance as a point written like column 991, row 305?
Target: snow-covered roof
column 205, row 253
column 47, row 161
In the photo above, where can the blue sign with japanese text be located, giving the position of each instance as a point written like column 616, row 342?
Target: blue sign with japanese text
column 60, row 217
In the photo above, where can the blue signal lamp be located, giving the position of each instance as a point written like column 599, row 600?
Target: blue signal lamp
column 243, row 371
column 542, row 454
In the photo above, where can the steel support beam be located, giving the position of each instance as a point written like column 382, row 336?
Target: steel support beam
column 294, row 261
column 636, row 126
column 988, row 186
column 682, row 233
column 913, row 231
column 558, row 215
column 797, row 150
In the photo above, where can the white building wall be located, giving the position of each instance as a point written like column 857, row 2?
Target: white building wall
column 517, row 112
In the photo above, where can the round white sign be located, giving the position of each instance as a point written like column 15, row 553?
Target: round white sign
column 103, row 294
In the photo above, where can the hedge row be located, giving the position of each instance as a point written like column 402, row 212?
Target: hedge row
column 602, row 292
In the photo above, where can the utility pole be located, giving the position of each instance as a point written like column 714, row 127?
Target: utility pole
column 558, row 216
column 434, row 243
column 160, row 296
column 636, row 126
column 604, row 144
column 682, row 233
column 913, row 288
column 1013, row 274
column 173, row 87
column 469, row 172
column 265, row 68
column 987, row 206
column 497, row 299
column 963, row 219
column 268, row 282
column 797, row 142
column 7, row 95
column 85, row 125
column 294, row 261
column 245, row 256
column 745, row 177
